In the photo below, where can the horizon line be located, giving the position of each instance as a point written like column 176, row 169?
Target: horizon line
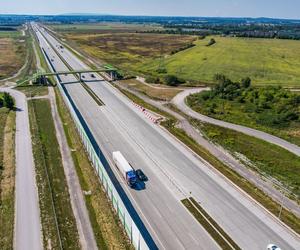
column 148, row 15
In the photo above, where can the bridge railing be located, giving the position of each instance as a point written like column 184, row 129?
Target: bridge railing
column 130, row 226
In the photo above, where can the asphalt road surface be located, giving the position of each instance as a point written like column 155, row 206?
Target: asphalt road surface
column 179, row 101
column 173, row 171
column 27, row 231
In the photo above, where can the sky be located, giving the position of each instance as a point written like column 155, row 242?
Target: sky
column 221, row 8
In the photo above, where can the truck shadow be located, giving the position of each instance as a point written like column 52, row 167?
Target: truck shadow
column 140, row 185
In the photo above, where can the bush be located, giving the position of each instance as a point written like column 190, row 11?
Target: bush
column 152, row 79
column 8, row 101
column 1, row 102
column 187, row 46
column 172, row 80
column 205, row 95
column 246, row 82
column 211, row 42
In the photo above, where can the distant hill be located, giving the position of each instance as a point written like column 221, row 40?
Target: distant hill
column 84, row 14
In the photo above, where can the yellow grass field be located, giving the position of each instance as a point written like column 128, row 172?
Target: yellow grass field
column 12, row 56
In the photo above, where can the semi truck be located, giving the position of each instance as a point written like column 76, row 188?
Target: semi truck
column 128, row 173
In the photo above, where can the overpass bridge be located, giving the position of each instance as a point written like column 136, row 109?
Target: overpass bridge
column 41, row 77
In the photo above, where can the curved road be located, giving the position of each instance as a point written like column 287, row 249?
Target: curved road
column 27, row 231
column 179, row 101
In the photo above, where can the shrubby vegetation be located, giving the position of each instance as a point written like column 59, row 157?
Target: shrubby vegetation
column 211, row 42
column 7, row 101
column 187, row 46
column 172, row 80
column 152, row 79
column 270, row 106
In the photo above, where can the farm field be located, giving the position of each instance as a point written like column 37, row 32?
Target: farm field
column 103, row 27
column 265, row 61
column 9, row 34
column 12, row 53
column 128, row 51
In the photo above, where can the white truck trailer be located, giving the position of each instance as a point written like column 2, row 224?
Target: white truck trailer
column 125, row 169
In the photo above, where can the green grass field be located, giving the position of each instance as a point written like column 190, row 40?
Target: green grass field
column 10, row 34
column 265, row 61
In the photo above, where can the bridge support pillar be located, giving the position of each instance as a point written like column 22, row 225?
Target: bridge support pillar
column 112, row 75
column 43, row 80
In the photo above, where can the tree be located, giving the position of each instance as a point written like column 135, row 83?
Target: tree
column 8, row 101
column 172, row 80
column 246, row 82
column 152, row 79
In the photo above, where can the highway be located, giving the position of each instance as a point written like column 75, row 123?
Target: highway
column 173, row 171
column 179, row 101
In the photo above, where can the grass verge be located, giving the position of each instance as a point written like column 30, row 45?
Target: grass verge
column 216, row 232
column 58, row 222
column 272, row 206
column 7, row 178
column 92, row 94
column 144, row 104
column 43, row 63
column 30, row 63
column 161, row 93
column 108, row 230
column 33, row 90
column 269, row 160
